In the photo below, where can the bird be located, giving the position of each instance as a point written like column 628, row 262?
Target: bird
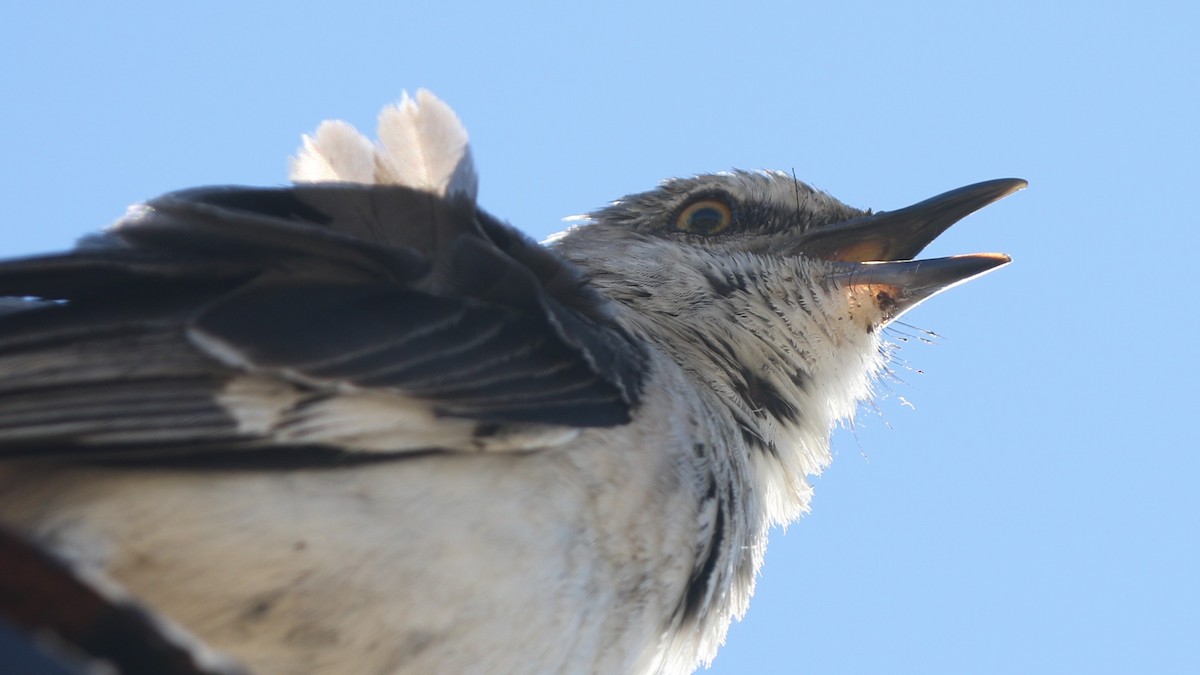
column 358, row 424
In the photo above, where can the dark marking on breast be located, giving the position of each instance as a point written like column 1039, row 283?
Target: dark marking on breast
column 259, row 609
column 701, row 580
column 799, row 380
column 717, row 346
column 755, row 440
column 763, row 396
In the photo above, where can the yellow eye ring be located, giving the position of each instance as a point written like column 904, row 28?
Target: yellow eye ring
column 705, row 217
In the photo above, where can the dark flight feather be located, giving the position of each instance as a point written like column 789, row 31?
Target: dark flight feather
column 128, row 341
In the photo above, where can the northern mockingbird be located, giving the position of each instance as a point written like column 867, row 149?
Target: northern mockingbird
column 366, row 427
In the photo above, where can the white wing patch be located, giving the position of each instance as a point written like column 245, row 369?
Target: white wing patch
column 258, row 403
column 422, row 145
column 369, row 421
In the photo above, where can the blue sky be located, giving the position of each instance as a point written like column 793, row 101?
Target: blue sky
column 1035, row 513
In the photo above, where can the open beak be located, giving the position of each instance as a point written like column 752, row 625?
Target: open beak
column 878, row 249
column 903, row 233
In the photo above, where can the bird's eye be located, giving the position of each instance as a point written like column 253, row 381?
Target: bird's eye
column 705, row 217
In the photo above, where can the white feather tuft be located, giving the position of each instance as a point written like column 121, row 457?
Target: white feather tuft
column 422, row 145
column 337, row 152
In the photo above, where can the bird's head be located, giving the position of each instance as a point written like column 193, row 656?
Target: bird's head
column 774, row 293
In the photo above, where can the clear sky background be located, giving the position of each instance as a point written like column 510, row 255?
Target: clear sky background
column 1035, row 513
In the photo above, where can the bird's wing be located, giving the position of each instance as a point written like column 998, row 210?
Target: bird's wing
column 354, row 317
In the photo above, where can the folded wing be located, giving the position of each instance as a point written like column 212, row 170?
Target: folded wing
column 354, row 317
